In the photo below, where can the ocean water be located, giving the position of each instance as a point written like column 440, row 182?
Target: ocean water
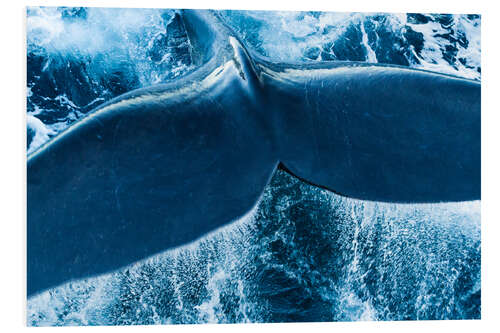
column 303, row 254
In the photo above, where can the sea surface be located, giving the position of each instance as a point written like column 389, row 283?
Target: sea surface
column 303, row 254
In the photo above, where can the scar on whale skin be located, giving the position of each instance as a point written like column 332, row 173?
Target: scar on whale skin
column 161, row 166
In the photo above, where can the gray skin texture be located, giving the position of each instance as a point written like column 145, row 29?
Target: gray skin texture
column 159, row 167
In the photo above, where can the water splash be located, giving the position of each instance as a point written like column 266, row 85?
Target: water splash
column 304, row 254
column 79, row 58
column 442, row 43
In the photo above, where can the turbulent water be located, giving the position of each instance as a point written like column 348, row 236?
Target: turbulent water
column 303, row 254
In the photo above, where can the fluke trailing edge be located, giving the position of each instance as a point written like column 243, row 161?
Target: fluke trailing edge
column 160, row 167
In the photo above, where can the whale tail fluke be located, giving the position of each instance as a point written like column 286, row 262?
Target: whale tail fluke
column 161, row 166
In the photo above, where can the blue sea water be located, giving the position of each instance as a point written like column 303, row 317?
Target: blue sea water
column 303, row 254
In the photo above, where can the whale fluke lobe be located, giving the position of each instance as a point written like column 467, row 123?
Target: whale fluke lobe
column 379, row 133
column 159, row 167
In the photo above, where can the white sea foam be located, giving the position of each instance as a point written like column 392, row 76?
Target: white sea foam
column 285, row 36
column 431, row 56
column 42, row 133
column 102, row 29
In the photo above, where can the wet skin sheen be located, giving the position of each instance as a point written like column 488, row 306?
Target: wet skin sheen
column 160, row 167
